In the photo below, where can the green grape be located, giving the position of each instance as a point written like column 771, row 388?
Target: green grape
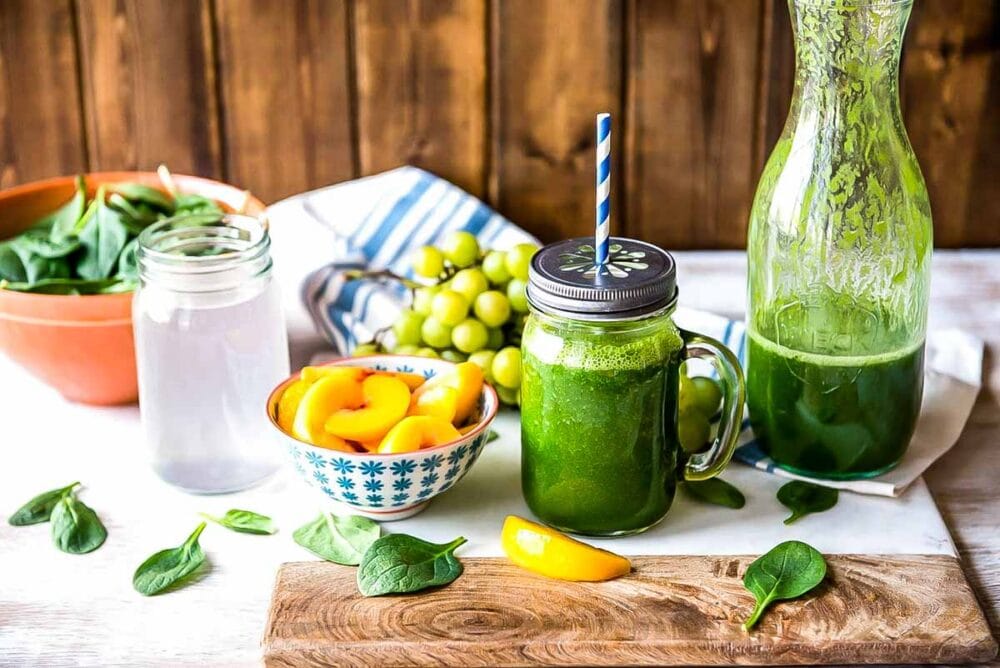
column 687, row 399
column 495, row 267
column 428, row 352
column 461, row 249
column 363, row 349
column 693, row 430
column 507, row 367
column 495, row 340
column 453, row 356
column 405, row 350
column 707, row 395
column 484, row 360
column 407, row 327
column 449, row 307
column 422, row 298
column 492, row 307
column 435, row 333
column 469, row 335
column 517, row 293
column 518, row 259
column 470, row 283
column 428, row 262
column 506, row 394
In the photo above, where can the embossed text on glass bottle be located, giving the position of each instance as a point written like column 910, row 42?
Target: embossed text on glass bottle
column 839, row 253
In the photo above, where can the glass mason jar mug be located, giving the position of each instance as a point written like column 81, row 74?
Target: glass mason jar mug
column 600, row 377
column 839, row 250
column 210, row 344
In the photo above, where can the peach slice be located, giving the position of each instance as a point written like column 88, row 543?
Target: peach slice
column 440, row 402
column 416, row 432
column 385, row 401
column 412, row 380
column 310, row 374
column 289, row 403
column 326, row 395
column 467, row 379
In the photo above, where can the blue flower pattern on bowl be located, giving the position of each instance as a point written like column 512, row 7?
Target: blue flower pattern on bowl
column 387, row 482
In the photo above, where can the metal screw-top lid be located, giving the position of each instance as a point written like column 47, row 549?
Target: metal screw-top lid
column 637, row 280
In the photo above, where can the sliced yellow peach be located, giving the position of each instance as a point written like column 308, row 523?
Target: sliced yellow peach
column 385, row 401
column 412, row 380
column 467, row 379
column 310, row 374
column 438, row 402
column 416, row 432
column 289, row 403
column 328, row 394
column 370, row 446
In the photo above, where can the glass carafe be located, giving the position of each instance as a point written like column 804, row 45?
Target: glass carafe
column 839, row 253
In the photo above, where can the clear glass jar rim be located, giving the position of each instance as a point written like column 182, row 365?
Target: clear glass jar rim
column 238, row 235
column 203, row 252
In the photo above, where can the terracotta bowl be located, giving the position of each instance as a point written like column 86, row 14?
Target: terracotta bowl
column 386, row 487
column 81, row 345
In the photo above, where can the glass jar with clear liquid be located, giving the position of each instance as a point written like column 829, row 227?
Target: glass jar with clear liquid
column 839, row 251
column 210, row 345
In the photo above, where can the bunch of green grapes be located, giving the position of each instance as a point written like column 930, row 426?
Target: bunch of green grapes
column 698, row 402
column 472, row 308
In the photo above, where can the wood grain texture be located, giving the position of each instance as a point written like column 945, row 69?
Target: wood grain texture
column 149, row 90
column 41, row 133
column 421, row 87
column 669, row 611
column 690, row 172
column 557, row 63
column 284, row 73
column 951, row 103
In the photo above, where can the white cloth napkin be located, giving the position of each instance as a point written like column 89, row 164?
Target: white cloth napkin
column 375, row 222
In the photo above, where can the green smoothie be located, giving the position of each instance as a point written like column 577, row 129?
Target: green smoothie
column 833, row 416
column 599, row 423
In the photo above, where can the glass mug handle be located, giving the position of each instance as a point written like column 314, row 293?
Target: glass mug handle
column 709, row 464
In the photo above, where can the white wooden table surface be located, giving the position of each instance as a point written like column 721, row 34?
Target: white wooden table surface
column 45, row 621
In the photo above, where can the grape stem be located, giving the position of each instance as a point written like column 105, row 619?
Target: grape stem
column 380, row 275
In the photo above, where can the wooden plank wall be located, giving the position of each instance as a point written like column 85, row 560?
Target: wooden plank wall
column 497, row 95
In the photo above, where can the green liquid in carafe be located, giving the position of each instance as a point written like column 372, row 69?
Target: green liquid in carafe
column 833, row 416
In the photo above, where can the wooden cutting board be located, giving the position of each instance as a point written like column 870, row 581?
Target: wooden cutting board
column 668, row 611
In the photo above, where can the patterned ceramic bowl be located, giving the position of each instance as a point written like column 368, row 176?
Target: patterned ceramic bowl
column 387, row 487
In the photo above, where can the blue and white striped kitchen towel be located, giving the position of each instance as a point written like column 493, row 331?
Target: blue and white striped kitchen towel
column 376, row 222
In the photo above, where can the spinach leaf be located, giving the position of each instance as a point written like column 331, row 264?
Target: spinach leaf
column 128, row 262
column 398, row 564
column 188, row 203
column 715, row 491
column 103, row 239
column 11, row 267
column 788, row 570
column 342, row 540
column 169, row 567
column 244, row 521
column 62, row 222
column 39, row 508
column 73, row 286
column 39, row 242
column 76, row 528
column 803, row 498
column 38, row 267
column 136, row 192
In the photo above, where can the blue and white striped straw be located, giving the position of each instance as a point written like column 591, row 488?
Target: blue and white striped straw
column 603, row 189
